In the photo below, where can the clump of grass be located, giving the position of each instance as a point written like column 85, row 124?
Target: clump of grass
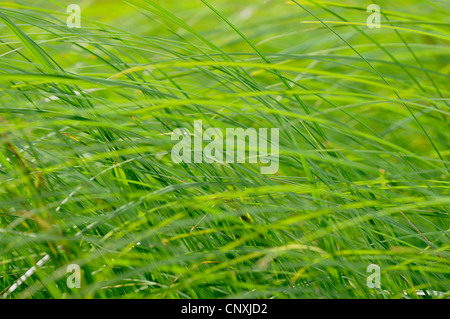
column 86, row 175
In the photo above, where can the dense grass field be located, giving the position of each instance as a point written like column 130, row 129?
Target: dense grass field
column 87, row 178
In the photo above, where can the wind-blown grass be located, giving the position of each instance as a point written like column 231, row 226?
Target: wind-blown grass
column 86, row 175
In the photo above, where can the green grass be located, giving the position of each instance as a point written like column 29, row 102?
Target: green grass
column 86, row 175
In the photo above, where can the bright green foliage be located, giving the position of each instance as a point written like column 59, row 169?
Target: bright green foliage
column 87, row 178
